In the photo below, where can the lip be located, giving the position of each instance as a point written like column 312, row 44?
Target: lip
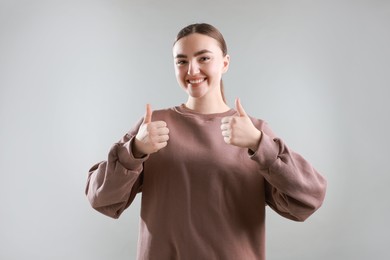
column 193, row 81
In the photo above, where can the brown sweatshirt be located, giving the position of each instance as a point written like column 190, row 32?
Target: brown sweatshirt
column 203, row 198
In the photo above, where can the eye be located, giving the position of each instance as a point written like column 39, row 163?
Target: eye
column 181, row 62
column 204, row 59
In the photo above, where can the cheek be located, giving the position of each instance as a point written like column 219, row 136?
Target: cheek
column 217, row 65
column 180, row 76
column 214, row 69
column 177, row 73
column 180, row 72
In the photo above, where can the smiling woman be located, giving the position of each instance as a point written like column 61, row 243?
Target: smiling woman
column 213, row 34
column 200, row 64
column 206, row 171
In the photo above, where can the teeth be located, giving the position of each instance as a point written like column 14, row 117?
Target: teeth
column 196, row 81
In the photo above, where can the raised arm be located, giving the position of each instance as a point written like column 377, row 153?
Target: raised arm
column 113, row 184
column 293, row 187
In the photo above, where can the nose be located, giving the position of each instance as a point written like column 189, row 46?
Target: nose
column 193, row 68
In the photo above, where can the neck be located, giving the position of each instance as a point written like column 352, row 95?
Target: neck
column 205, row 106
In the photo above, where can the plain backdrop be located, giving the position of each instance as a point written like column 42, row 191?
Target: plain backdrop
column 75, row 76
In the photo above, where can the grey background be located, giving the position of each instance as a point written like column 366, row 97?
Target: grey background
column 75, row 76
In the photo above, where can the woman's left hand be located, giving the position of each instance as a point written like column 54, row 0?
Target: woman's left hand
column 239, row 130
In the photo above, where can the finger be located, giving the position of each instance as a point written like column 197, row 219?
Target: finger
column 161, row 145
column 224, row 127
column 159, row 124
column 226, row 120
column 148, row 114
column 162, row 131
column 157, row 146
column 239, row 108
column 226, row 133
column 162, row 138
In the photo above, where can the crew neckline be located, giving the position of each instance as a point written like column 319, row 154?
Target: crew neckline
column 184, row 110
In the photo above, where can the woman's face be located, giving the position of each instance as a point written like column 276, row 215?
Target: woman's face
column 199, row 65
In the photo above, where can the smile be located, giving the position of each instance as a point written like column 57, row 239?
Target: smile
column 196, row 81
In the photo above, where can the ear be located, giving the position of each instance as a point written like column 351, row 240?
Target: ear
column 226, row 62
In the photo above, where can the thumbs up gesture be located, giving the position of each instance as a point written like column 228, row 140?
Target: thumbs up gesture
column 151, row 136
column 239, row 130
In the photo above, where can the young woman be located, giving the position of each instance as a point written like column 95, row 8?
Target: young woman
column 206, row 171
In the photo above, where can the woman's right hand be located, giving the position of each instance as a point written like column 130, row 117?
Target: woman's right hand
column 151, row 136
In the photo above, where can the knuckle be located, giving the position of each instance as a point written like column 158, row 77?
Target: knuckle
column 155, row 147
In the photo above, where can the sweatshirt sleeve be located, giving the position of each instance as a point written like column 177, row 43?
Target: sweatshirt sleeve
column 113, row 184
column 293, row 188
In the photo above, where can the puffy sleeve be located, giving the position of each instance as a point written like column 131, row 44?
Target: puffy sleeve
column 293, row 188
column 113, row 184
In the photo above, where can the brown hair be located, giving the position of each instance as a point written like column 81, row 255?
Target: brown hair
column 209, row 30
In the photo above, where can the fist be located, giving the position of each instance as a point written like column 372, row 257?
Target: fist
column 239, row 130
column 151, row 136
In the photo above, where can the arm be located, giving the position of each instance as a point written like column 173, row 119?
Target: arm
column 112, row 184
column 293, row 187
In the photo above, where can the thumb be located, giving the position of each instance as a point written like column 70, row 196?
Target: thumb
column 239, row 108
column 148, row 114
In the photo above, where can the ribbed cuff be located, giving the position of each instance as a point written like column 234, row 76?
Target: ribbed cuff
column 267, row 151
column 126, row 156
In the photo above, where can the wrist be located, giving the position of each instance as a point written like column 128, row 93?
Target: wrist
column 255, row 145
column 135, row 150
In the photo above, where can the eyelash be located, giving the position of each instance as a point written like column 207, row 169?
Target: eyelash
column 181, row 62
column 204, row 59
column 201, row 59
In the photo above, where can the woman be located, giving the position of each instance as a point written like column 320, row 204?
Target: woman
column 206, row 171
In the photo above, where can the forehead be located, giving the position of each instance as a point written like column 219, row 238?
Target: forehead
column 195, row 42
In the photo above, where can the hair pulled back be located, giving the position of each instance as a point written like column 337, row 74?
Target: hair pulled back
column 208, row 30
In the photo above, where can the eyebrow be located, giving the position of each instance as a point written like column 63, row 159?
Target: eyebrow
column 178, row 56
